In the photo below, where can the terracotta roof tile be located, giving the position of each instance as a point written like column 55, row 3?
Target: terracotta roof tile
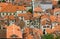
column 29, row 36
column 14, row 30
column 49, row 31
column 25, row 15
column 21, row 8
column 36, row 15
column 44, row 16
column 11, row 17
column 56, row 10
column 38, row 31
column 7, row 7
column 52, row 18
column 43, row 22
column 38, row 9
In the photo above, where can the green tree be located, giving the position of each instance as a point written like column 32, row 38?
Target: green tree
column 30, row 10
column 3, row 0
column 57, row 37
column 48, row 36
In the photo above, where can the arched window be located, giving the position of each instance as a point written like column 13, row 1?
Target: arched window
column 44, row 31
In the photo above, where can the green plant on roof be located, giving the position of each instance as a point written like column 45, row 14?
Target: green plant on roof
column 30, row 10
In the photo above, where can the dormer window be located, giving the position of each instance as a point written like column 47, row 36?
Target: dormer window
column 44, row 26
column 8, row 13
column 13, row 13
column 21, row 18
column 28, row 22
column 24, row 11
column 3, row 13
column 14, row 36
column 19, row 12
column 44, row 31
column 47, row 26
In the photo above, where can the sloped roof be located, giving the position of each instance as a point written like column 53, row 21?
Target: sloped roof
column 52, row 18
column 38, row 9
column 25, row 15
column 56, row 10
column 8, row 7
column 14, row 30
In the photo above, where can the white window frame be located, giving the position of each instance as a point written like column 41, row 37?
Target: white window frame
column 24, row 11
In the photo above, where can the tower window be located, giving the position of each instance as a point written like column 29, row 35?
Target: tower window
column 44, row 31
column 14, row 36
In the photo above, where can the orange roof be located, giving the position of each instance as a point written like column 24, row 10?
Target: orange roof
column 6, row 17
column 43, row 22
column 17, row 1
column 38, row 9
column 14, row 30
column 25, row 15
column 44, row 16
column 38, row 31
column 49, row 31
column 21, row 8
column 26, row 30
column 36, row 15
column 29, row 36
column 56, row 10
column 8, row 7
column 52, row 18
column 11, row 17
column 56, row 28
column 4, row 4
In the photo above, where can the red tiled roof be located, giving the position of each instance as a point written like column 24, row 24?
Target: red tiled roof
column 38, row 9
column 25, row 15
column 14, row 30
column 56, row 10
column 52, row 18
column 6, row 7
